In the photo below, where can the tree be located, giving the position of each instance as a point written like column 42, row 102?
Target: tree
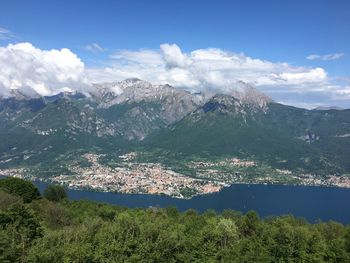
column 52, row 214
column 25, row 189
column 18, row 229
column 250, row 223
column 6, row 200
column 227, row 232
column 55, row 193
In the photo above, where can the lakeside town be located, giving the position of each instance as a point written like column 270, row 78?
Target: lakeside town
column 149, row 178
column 154, row 178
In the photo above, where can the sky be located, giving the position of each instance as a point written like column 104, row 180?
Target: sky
column 297, row 52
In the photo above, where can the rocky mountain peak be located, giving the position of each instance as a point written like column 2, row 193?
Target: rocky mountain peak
column 247, row 94
column 221, row 103
column 22, row 94
column 134, row 108
column 226, row 105
column 65, row 95
column 242, row 99
column 136, row 90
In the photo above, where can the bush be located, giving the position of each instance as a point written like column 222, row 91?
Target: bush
column 55, row 193
column 19, row 228
column 6, row 200
column 25, row 189
column 53, row 215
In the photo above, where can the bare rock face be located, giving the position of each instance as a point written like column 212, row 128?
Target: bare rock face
column 135, row 90
column 132, row 108
column 176, row 103
column 247, row 94
column 161, row 104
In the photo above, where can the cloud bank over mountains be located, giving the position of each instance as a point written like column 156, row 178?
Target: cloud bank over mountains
column 34, row 71
column 47, row 72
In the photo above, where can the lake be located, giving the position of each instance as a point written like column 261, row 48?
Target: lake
column 310, row 202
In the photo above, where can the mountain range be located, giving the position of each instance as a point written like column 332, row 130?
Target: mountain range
column 171, row 126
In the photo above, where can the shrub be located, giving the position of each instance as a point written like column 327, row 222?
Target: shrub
column 25, row 189
column 55, row 193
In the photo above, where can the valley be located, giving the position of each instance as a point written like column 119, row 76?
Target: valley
column 136, row 137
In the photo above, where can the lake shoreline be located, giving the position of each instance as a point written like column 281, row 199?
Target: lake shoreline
column 100, row 190
column 310, row 202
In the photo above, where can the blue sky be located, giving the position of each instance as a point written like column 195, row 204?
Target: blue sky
column 273, row 31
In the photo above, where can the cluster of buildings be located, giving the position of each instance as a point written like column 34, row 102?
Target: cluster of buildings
column 154, row 178
column 150, row 178
column 13, row 172
column 332, row 180
column 237, row 162
column 226, row 162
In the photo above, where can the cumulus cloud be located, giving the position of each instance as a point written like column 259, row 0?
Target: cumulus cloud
column 173, row 56
column 34, row 71
column 205, row 69
column 94, row 48
column 327, row 57
column 218, row 70
column 47, row 72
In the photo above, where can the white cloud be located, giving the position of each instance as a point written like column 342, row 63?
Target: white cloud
column 173, row 56
column 327, row 57
column 47, row 72
column 205, row 69
column 35, row 71
column 5, row 33
column 218, row 71
column 94, row 48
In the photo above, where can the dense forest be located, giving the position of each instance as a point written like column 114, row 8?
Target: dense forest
column 50, row 228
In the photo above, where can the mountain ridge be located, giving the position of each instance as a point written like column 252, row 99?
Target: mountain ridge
column 173, row 129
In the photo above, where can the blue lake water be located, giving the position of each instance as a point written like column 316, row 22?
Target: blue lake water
column 312, row 203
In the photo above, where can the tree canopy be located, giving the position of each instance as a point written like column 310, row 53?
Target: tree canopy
column 85, row 231
column 55, row 193
column 15, row 186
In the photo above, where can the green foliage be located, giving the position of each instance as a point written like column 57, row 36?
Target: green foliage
column 55, row 193
column 250, row 224
column 6, row 200
column 25, row 189
column 84, row 231
column 273, row 137
column 18, row 229
column 52, row 214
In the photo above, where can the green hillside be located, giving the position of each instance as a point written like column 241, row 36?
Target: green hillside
column 82, row 231
column 283, row 136
column 49, row 136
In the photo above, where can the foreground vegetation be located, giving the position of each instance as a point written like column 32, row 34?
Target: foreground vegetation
column 50, row 228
